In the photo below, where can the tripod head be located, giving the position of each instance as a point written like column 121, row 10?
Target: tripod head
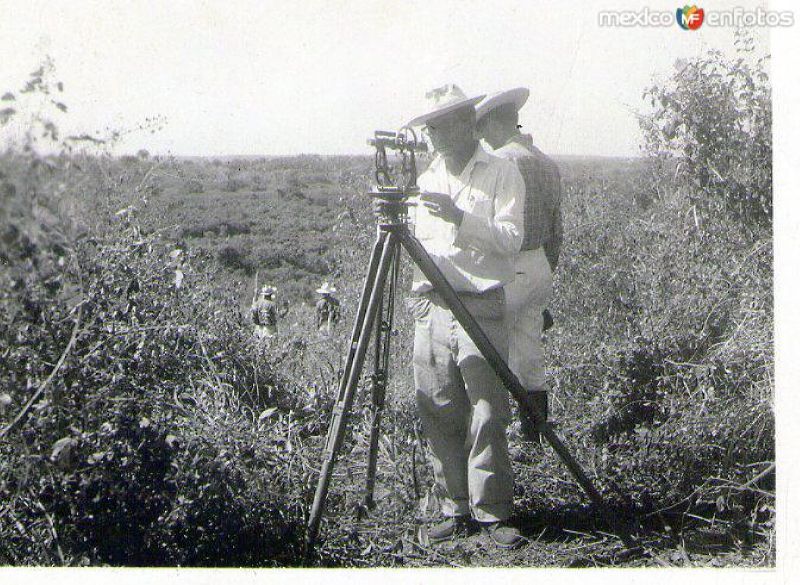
column 395, row 183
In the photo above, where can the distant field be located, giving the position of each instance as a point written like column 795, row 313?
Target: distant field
column 279, row 215
column 273, row 216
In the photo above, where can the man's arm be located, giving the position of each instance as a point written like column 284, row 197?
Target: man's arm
column 501, row 233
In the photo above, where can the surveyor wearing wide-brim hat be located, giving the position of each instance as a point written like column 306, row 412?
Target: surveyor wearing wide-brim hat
column 530, row 293
column 326, row 289
column 444, row 100
column 470, row 222
column 264, row 313
column 515, row 98
column 327, row 309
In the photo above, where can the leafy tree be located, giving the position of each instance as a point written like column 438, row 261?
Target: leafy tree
column 713, row 117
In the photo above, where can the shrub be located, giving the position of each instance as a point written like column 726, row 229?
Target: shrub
column 714, row 117
column 217, row 228
column 667, row 344
column 117, row 453
column 233, row 184
column 689, row 413
column 139, row 424
column 235, row 258
column 194, row 186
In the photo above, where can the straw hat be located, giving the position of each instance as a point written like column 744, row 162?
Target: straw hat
column 443, row 100
column 268, row 290
column 326, row 289
column 517, row 96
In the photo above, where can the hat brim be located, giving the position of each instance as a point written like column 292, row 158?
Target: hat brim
column 323, row 291
column 517, row 96
column 451, row 107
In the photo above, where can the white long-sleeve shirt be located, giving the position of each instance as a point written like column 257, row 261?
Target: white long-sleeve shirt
column 479, row 254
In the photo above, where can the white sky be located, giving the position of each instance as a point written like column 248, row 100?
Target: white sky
column 266, row 77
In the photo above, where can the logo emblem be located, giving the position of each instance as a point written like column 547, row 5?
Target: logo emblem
column 690, row 17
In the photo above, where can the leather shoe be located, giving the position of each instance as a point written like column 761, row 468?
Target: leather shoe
column 502, row 534
column 452, row 527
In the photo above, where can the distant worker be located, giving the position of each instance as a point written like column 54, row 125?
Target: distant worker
column 327, row 309
column 528, row 295
column 179, row 261
column 264, row 313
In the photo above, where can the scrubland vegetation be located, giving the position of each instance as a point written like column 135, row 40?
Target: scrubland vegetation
column 141, row 425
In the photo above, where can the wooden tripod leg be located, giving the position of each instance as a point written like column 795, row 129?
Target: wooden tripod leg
column 378, row 389
column 341, row 410
column 515, row 388
column 378, row 400
column 380, row 377
column 366, row 291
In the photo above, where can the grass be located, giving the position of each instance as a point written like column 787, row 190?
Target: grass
column 660, row 361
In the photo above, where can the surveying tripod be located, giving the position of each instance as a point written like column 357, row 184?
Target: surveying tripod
column 375, row 314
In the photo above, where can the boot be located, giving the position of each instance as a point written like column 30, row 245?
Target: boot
column 530, row 429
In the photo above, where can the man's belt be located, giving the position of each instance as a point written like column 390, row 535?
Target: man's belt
column 493, row 294
column 489, row 304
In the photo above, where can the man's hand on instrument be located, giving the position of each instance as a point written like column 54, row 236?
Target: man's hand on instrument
column 442, row 206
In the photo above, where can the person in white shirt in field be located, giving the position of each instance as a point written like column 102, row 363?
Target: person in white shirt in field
column 327, row 309
column 469, row 220
column 528, row 295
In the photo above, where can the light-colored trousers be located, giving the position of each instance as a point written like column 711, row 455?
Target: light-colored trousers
column 526, row 298
column 464, row 407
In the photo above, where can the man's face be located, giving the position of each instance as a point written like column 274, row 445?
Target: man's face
column 489, row 130
column 452, row 132
column 499, row 125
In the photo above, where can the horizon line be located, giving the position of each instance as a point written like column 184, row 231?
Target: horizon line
column 331, row 155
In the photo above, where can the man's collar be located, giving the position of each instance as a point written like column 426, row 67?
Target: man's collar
column 480, row 156
column 525, row 140
column 516, row 145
